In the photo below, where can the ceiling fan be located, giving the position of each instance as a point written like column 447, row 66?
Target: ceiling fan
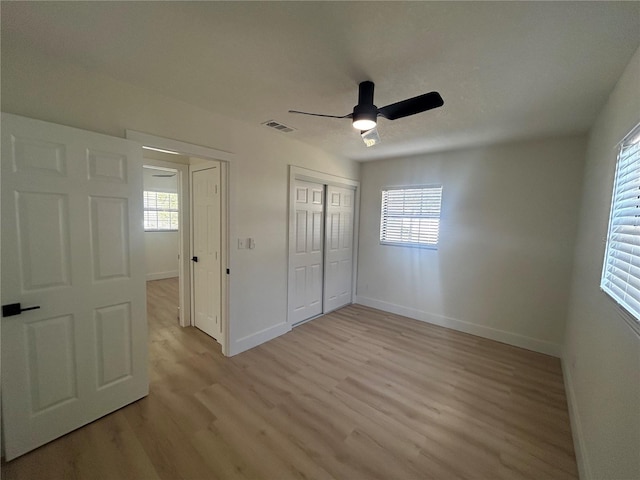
column 365, row 113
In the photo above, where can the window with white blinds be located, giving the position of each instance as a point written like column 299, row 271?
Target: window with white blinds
column 621, row 270
column 410, row 216
column 160, row 211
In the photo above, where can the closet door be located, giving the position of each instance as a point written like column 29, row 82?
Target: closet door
column 339, row 248
column 306, row 252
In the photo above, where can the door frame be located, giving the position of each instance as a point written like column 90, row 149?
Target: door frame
column 183, row 229
column 226, row 160
column 307, row 175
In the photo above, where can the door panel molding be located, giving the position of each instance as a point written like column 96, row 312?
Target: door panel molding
column 306, row 253
column 206, row 247
column 338, row 285
column 72, row 244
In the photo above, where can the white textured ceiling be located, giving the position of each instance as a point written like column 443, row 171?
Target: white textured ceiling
column 506, row 70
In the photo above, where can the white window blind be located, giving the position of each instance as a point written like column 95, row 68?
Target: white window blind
column 621, row 270
column 160, row 211
column 410, row 216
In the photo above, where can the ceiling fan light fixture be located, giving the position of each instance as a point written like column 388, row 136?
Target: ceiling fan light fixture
column 370, row 137
column 363, row 124
column 364, row 117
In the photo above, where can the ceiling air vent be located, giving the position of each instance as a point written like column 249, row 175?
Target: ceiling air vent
column 278, row 126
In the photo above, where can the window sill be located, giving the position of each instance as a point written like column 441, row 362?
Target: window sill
column 628, row 318
column 410, row 245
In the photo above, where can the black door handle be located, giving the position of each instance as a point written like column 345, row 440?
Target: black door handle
column 15, row 309
column 195, row 259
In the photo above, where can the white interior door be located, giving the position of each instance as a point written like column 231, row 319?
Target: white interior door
column 72, row 244
column 339, row 248
column 306, row 252
column 206, row 250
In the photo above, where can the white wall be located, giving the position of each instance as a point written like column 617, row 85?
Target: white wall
column 41, row 87
column 601, row 356
column 508, row 226
column 161, row 248
column 161, row 254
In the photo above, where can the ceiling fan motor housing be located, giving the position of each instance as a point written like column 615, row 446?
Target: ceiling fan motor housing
column 365, row 114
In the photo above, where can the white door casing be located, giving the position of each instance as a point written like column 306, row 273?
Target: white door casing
column 72, row 243
column 338, row 247
column 306, row 252
column 206, row 239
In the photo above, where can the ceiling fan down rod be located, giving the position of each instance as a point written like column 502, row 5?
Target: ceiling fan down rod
column 365, row 93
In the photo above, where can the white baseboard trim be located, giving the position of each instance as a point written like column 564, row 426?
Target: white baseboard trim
column 161, row 275
column 582, row 459
column 509, row 338
column 245, row 343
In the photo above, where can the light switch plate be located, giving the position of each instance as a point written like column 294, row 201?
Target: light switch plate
column 241, row 243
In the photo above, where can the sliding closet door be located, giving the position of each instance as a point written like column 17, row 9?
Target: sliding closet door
column 306, row 252
column 339, row 248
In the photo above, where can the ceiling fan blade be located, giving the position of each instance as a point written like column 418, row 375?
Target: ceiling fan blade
column 321, row 115
column 411, row 106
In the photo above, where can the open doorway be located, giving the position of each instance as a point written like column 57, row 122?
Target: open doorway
column 161, row 203
column 166, row 224
column 169, row 156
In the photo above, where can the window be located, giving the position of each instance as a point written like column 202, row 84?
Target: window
column 621, row 269
column 160, row 211
column 410, row 216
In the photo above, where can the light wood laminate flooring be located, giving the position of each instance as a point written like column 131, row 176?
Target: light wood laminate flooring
column 356, row 394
